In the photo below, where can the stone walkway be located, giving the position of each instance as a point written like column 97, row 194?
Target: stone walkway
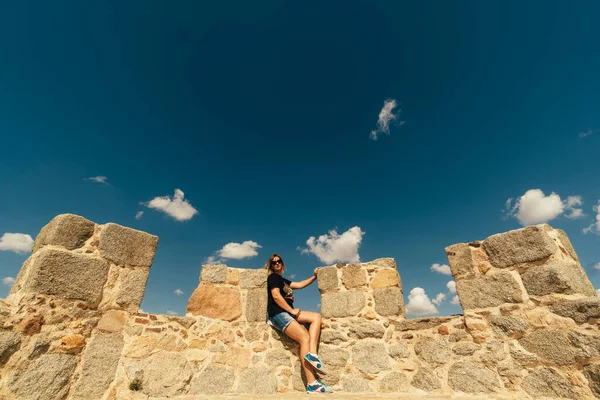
column 339, row 396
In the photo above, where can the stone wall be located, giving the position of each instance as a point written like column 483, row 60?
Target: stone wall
column 71, row 327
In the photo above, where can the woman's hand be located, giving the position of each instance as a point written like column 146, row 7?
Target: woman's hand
column 316, row 270
column 295, row 312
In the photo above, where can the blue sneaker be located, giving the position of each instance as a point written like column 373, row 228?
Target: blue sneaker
column 327, row 388
column 316, row 362
column 316, row 388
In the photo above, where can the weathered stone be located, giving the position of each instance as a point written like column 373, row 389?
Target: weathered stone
column 333, row 356
column 233, row 276
column 489, row 290
column 370, row 357
column 256, row 305
column 19, row 280
column 333, row 336
column 466, row 349
column 9, row 344
column 31, row 324
column 215, row 302
column 433, row 351
column 589, row 345
column 236, row 357
column 127, row 246
column 67, row 275
column 165, row 374
column 353, row 276
column 278, row 358
column 257, row 380
column 327, row 278
column 457, row 336
column 418, row 324
column 251, row 334
column 67, row 230
column 519, row 246
column 509, row 325
column 384, row 262
column 564, row 239
column 546, row 382
column 579, row 310
column 470, row 377
column 341, row 304
column 215, row 379
column 40, row 346
column 72, row 343
column 394, row 382
column 112, row 321
column 592, row 374
column 398, row 351
column 552, row 345
column 131, row 291
column 385, row 278
column 99, row 364
column 216, row 273
column 557, row 276
column 367, row 329
column 332, row 378
column 509, row 370
column 253, row 278
column 355, row 384
column 461, row 261
column 520, row 355
column 426, row 380
column 389, row 301
column 183, row 321
column 46, row 378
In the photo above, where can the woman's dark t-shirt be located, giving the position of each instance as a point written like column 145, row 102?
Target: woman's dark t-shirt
column 277, row 281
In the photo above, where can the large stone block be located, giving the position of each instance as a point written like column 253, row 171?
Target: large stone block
column 421, row 323
column 165, row 374
column 490, row 290
column 20, row 279
column 370, row 357
column 256, row 305
column 426, row 379
column 132, row 289
column 394, row 382
column 99, row 364
column 551, row 345
column 216, row 273
column 509, row 325
column 128, row 246
column 46, row 378
column 215, row 379
column 257, row 380
column 592, row 374
column 67, row 275
column 580, row 310
column 367, row 329
column 342, row 304
column 253, row 278
column 557, row 276
column 564, row 239
column 546, row 382
column 215, row 302
column 384, row 262
column 588, row 345
column 354, row 276
column 333, row 356
column 355, row 384
column 471, row 377
column 9, row 344
column 389, row 301
column 67, row 230
column 460, row 259
column 278, row 358
column 112, row 321
column 519, row 246
column 386, row 278
column 434, row 351
column 327, row 278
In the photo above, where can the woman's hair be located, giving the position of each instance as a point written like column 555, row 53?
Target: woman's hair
column 268, row 265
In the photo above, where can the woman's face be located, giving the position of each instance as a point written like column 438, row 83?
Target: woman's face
column 277, row 265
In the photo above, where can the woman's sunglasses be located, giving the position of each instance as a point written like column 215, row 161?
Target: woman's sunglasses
column 275, row 262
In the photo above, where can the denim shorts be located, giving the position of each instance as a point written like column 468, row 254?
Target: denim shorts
column 281, row 321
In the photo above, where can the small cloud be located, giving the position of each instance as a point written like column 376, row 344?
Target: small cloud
column 19, row 243
column 597, row 266
column 451, row 286
column 455, row 300
column 178, row 208
column 386, row 115
column 239, row 251
column 419, row 303
column 9, row 280
column 441, row 268
column 138, row 215
column 171, row 312
column 588, row 133
column 572, row 205
column 438, row 299
column 333, row 247
column 212, row 260
column 178, row 292
column 594, row 226
column 534, row 207
column 98, row 179
column 293, row 276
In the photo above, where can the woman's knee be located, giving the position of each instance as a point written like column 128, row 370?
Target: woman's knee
column 304, row 338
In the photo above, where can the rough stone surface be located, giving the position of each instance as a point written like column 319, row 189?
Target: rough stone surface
column 353, row 276
column 394, row 382
column 546, row 382
column 67, row 275
column 457, row 336
column 557, row 276
column 384, row 262
column 253, row 278
column 398, row 351
column 215, row 302
column 564, row 239
column 132, row 288
column 519, row 246
column 461, row 261
column 256, row 305
column 510, row 325
column 421, row 323
column 342, row 304
column 49, row 375
column 588, row 345
column 389, row 301
column 489, row 290
column 332, row 336
column 426, row 380
column 99, row 364
column 367, row 329
column 165, row 374
column 252, row 334
column 551, row 345
column 277, row 358
column 112, row 321
column 355, row 384
column 592, row 374
column 237, row 357
column 257, row 381
column 433, row 351
column 233, row 276
column 333, row 356
column 385, row 278
column 128, row 246
column 67, row 230
column 9, row 344
column 466, row 349
column 215, row 379
column 579, row 310
column 370, row 357
column 213, row 273
column 471, row 377
column 327, row 278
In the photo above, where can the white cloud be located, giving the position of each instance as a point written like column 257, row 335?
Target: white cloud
column 455, row 300
column 594, row 226
column 441, row 268
column 386, row 115
column 139, row 214
column 438, row 299
column 451, row 286
column 171, row 312
column 535, row 208
column 178, row 292
column 240, row 251
column 212, row 260
column 333, row 247
column 293, row 276
column 98, row 179
column 419, row 303
column 588, row 133
column 19, row 243
column 9, row 280
column 597, row 266
column 178, row 207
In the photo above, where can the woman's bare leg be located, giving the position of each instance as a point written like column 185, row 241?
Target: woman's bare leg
column 314, row 331
column 298, row 333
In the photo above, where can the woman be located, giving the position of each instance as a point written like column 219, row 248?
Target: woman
column 287, row 319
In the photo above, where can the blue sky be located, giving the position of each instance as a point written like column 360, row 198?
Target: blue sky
column 262, row 116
